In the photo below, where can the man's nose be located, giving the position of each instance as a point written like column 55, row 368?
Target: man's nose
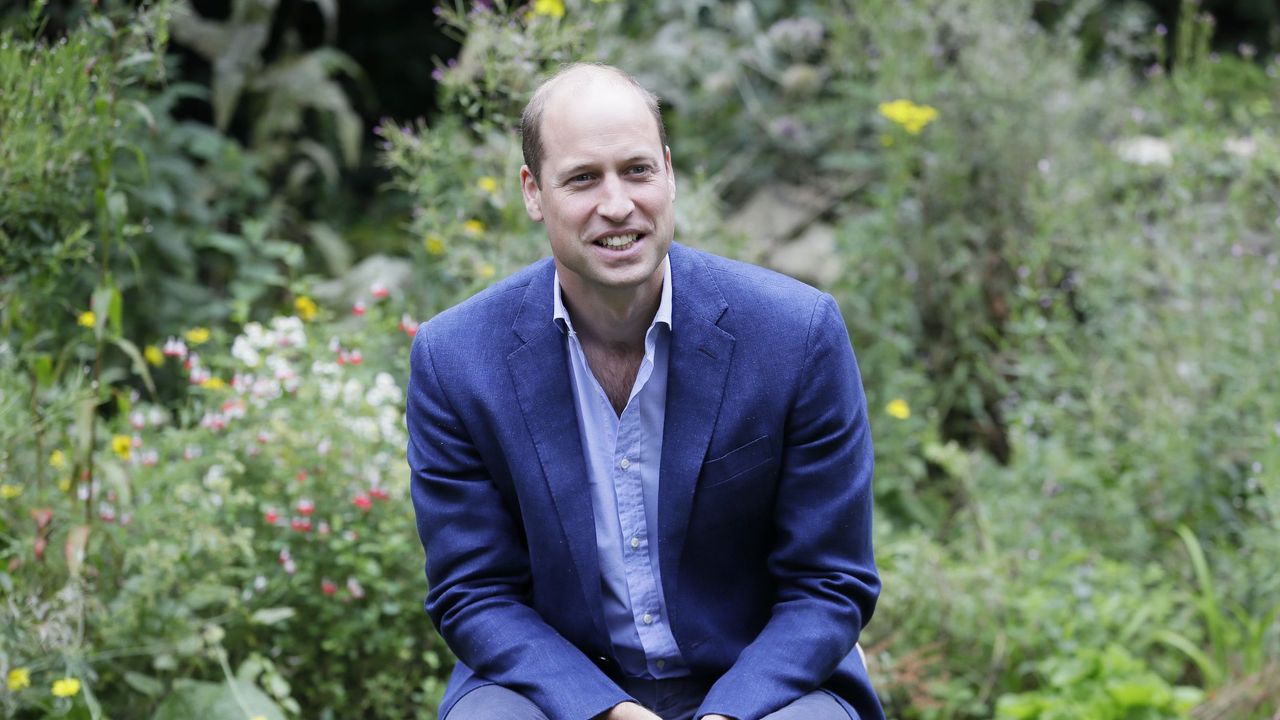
column 615, row 202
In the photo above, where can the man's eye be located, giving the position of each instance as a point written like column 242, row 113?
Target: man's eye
column 585, row 177
column 639, row 169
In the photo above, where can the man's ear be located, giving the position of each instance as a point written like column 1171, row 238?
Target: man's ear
column 532, row 194
column 671, row 172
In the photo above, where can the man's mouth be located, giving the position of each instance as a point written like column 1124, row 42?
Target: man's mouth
column 618, row 242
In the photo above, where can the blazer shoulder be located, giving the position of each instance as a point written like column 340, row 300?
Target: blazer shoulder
column 477, row 321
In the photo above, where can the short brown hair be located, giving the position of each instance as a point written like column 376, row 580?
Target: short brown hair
column 531, row 118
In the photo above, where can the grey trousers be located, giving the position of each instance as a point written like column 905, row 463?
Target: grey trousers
column 669, row 699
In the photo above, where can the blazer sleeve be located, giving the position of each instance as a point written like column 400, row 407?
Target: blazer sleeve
column 822, row 563
column 476, row 564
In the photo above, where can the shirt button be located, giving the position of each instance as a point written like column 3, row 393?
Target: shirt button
column 661, row 664
column 647, row 618
column 624, row 464
column 635, row 543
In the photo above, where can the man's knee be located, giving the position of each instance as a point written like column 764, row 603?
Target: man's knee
column 494, row 702
column 817, row 705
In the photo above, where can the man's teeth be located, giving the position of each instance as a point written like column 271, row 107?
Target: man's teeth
column 617, row 241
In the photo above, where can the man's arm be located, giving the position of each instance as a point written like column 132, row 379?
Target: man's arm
column 478, row 567
column 822, row 562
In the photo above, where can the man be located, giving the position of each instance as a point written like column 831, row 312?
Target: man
column 642, row 473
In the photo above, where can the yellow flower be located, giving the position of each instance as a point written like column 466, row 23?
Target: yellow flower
column 898, row 408
column 19, row 678
column 486, row 271
column 434, row 244
column 910, row 116
column 305, row 307
column 65, row 484
column 213, row 383
column 9, row 492
column 153, row 355
column 197, row 335
column 121, row 445
column 87, row 319
column 66, row 687
column 57, row 460
column 549, row 8
column 473, row 227
column 487, row 184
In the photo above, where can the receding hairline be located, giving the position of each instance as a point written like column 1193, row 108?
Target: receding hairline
column 567, row 77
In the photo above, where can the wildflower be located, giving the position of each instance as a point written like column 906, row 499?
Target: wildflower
column 271, row 516
column 150, row 458
column 137, row 420
column 408, row 325
column 1145, row 150
column 121, row 445
column 358, row 309
column 173, row 347
column 197, row 335
column 66, row 687
column 898, row 408
column 153, row 355
column 306, row 507
column 300, row 524
column 354, row 587
column 473, row 227
column 213, row 383
column 191, row 452
column 487, row 184
column 549, row 8
column 302, row 476
column 57, row 460
column 379, row 291
column 362, row 501
column 434, row 244
column 305, row 307
column 328, row 587
column 486, row 271
column 379, row 493
column 87, row 319
column 19, row 678
column 290, row 567
column 9, row 492
column 323, row 528
column 910, row 116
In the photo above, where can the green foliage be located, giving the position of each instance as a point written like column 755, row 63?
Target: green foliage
column 1106, row 685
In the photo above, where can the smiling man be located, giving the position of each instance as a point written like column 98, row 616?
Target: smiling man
column 642, row 473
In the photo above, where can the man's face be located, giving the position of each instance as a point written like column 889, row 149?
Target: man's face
column 606, row 190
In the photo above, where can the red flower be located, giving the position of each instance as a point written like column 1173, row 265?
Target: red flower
column 379, row 291
column 306, row 507
column 301, row 524
column 328, row 587
column 378, row 493
column 271, row 516
column 362, row 501
column 358, row 308
column 302, row 476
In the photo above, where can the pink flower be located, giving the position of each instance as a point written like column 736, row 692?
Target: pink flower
column 379, row 291
column 362, row 501
column 272, row 516
column 328, row 587
column 378, row 493
column 358, row 309
column 173, row 347
column 301, row 524
column 284, row 556
column 323, row 528
column 302, row 476
column 408, row 326
column 306, row 507
column 290, row 567
column 137, row 420
column 354, row 587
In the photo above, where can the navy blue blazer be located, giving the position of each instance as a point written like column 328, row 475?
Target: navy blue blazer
column 765, row 495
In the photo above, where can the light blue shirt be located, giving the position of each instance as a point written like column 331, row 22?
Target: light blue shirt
column 622, row 455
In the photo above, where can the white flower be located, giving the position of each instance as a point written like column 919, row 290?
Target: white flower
column 288, row 332
column 1244, row 147
column 243, row 350
column 1145, row 150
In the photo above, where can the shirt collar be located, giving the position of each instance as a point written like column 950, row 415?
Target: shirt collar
column 561, row 314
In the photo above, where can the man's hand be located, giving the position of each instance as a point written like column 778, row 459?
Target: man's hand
column 629, row 711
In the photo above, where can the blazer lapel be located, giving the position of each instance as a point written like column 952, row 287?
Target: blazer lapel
column 539, row 371
column 698, row 365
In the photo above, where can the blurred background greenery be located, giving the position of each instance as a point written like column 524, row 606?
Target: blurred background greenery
column 1051, row 225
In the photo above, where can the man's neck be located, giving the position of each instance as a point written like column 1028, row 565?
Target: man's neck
column 615, row 318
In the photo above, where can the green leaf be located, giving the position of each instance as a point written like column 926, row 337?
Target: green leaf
column 271, row 616
column 144, row 684
column 230, row 700
column 101, row 305
column 139, row 362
